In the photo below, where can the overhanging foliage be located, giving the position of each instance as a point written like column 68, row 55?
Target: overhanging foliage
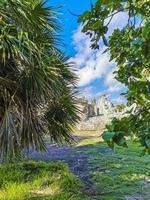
column 130, row 48
column 37, row 85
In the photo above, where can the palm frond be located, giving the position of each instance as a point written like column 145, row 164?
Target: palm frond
column 37, row 85
column 61, row 115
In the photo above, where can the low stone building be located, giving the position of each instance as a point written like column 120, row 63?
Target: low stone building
column 97, row 113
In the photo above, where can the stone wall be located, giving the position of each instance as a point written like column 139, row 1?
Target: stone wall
column 96, row 114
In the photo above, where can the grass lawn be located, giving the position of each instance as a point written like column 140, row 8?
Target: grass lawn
column 119, row 175
column 38, row 181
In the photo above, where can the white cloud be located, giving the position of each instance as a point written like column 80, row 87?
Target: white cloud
column 94, row 64
column 90, row 92
column 81, row 44
column 119, row 100
column 112, row 84
column 91, row 64
column 118, row 21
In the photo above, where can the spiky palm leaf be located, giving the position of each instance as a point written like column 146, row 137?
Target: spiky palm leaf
column 37, row 95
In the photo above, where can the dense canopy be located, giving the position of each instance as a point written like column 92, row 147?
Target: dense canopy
column 37, row 85
column 130, row 48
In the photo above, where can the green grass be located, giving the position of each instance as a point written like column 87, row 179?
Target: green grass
column 115, row 176
column 118, row 174
column 121, row 174
column 38, row 181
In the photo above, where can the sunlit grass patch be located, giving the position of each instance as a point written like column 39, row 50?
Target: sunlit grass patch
column 121, row 173
column 115, row 175
column 14, row 191
column 42, row 180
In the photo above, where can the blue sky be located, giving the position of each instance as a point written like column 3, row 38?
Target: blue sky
column 68, row 21
column 95, row 72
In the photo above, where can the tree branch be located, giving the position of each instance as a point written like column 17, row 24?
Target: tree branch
column 76, row 15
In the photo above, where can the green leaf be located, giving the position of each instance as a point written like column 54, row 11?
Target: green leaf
column 37, row 85
column 108, row 136
column 85, row 16
column 121, row 141
column 147, row 141
column 129, row 48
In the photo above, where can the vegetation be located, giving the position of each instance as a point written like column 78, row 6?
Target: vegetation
column 38, row 98
column 115, row 175
column 120, row 107
column 38, row 180
column 130, row 49
column 37, row 85
column 121, row 174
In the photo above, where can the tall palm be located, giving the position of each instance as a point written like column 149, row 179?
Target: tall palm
column 37, row 95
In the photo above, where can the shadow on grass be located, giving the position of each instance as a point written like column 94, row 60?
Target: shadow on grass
column 104, row 174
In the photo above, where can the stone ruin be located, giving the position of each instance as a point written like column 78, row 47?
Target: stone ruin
column 97, row 113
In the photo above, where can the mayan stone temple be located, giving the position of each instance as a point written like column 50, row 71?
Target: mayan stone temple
column 97, row 113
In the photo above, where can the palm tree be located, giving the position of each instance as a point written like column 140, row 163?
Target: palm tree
column 37, row 85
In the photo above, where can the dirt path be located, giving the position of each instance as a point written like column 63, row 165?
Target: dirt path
column 86, row 158
column 76, row 157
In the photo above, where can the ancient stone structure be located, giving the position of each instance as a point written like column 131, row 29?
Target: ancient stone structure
column 97, row 113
